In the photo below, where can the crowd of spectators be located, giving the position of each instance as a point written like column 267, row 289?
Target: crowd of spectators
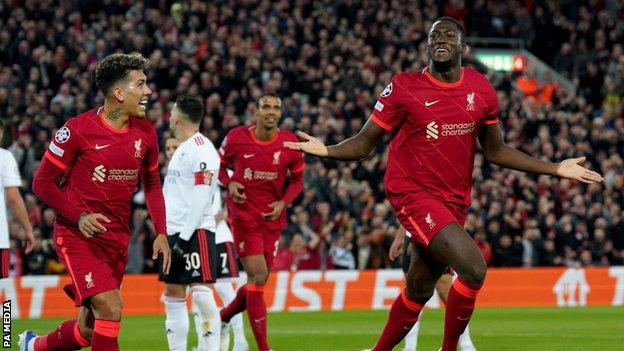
column 329, row 60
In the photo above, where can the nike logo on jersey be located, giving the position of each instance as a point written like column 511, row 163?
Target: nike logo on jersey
column 100, row 147
column 427, row 103
column 248, row 155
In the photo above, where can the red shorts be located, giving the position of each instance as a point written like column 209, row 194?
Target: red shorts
column 252, row 239
column 423, row 217
column 5, row 263
column 94, row 268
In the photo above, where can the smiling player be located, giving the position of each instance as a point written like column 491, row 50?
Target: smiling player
column 257, row 197
column 88, row 175
column 435, row 117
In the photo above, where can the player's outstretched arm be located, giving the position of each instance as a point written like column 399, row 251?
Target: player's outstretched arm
column 496, row 152
column 354, row 148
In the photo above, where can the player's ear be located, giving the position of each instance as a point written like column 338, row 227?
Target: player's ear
column 464, row 48
column 118, row 94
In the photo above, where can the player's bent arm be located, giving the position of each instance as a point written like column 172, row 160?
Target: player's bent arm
column 45, row 186
column 154, row 199
column 16, row 202
column 224, row 177
column 201, row 198
column 358, row 146
column 498, row 153
column 294, row 188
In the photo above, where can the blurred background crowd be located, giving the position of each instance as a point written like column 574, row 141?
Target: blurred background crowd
column 329, row 60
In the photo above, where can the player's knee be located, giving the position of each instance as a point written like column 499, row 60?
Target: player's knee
column 177, row 291
column 259, row 277
column 475, row 275
column 110, row 309
column 419, row 293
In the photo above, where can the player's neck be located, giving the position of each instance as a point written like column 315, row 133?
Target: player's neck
column 115, row 117
column 186, row 132
column 447, row 75
column 264, row 134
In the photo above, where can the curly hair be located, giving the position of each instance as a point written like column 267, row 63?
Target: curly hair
column 116, row 67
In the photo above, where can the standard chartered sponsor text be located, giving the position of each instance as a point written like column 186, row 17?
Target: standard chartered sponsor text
column 452, row 129
column 265, row 175
column 123, row 174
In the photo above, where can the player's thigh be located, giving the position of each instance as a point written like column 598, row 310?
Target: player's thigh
column 248, row 239
column 455, row 247
column 424, row 272
column 256, row 268
column 93, row 269
column 271, row 245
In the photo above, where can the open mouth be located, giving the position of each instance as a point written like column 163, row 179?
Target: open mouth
column 143, row 104
column 441, row 50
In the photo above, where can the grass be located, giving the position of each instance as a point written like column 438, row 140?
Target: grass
column 543, row 329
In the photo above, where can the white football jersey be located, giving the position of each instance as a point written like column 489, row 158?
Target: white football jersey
column 194, row 162
column 223, row 233
column 9, row 177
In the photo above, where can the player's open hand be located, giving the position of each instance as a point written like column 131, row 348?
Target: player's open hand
column 29, row 240
column 309, row 145
column 278, row 207
column 161, row 246
column 236, row 192
column 90, row 224
column 571, row 168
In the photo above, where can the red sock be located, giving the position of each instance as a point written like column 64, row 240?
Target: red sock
column 105, row 334
column 237, row 305
column 403, row 314
column 459, row 306
column 66, row 337
column 256, row 309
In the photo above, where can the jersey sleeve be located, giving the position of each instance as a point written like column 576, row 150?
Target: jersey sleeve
column 227, row 150
column 491, row 100
column 65, row 145
column 296, row 163
column 10, row 173
column 150, row 162
column 388, row 110
column 205, row 166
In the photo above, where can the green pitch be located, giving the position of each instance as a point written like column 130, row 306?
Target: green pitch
column 543, row 329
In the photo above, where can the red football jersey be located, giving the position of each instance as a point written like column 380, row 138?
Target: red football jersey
column 103, row 166
column 434, row 126
column 261, row 166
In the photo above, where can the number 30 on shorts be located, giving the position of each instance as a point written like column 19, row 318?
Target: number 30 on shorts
column 192, row 261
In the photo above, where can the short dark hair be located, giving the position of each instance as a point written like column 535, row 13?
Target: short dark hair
column 191, row 106
column 269, row 94
column 115, row 68
column 460, row 27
